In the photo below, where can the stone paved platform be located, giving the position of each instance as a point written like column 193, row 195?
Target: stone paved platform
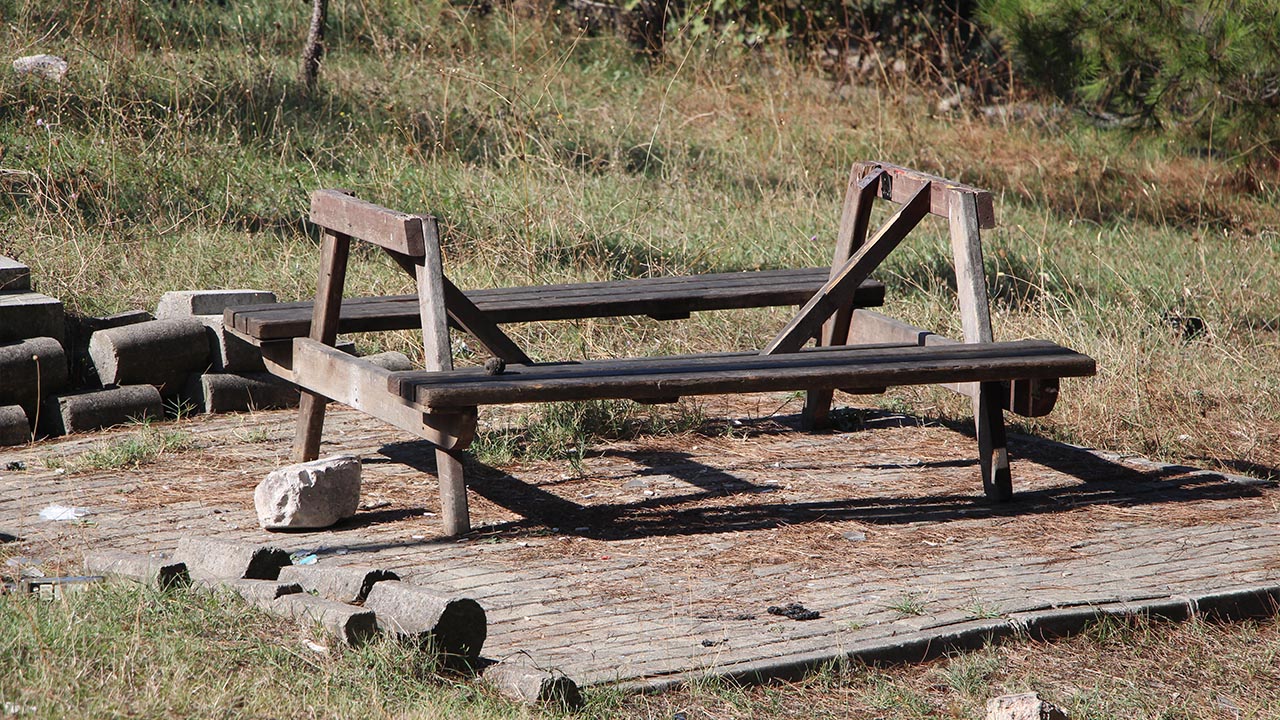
column 654, row 561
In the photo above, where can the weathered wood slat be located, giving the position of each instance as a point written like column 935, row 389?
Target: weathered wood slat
column 855, row 220
column 839, row 290
column 1026, row 397
column 392, row 230
column 898, row 184
column 335, row 250
column 837, row 367
column 648, row 296
column 362, row 385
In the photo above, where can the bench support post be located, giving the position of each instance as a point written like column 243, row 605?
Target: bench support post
column 975, row 320
column 334, row 251
column 854, row 220
column 454, row 513
column 433, row 293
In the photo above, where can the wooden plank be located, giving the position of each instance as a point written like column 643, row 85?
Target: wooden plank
column 898, row 184
column 362, row 385
column 975, row 320
column 434, row 291
column 454, row 513
column 838, row 291
column 433, row 317
column 838, row 367
column 335, row 248
column 854, row 220
column 971, row 281
column 532, row 303
column 465, row 315
column 1026, row 397
column 855, row 217
column 993, row 455
column 340, row 212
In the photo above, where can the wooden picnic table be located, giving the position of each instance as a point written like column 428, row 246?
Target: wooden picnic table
column 856, row 349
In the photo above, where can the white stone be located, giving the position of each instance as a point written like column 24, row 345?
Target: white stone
column 309, row 495
column 50, row 67
column 1023, row 706
column 186, row 303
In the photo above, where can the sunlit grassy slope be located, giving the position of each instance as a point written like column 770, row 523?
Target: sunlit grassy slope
column 179, row 153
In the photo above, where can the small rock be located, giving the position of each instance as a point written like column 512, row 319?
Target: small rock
column 855, row 536
column 309, row 495
column 1023, row 706
column 49, row 67
column 795, row 611
column 494, row 366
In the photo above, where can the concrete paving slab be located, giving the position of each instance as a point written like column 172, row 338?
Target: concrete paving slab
column 645, row 585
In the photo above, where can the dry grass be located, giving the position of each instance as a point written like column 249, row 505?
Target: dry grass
column 1138, row 670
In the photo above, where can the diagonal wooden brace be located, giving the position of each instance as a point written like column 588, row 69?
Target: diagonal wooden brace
column 838, row 291
column 470, row 318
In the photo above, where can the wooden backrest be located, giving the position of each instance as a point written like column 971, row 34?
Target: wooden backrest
column 829, row 312
column 413, row 241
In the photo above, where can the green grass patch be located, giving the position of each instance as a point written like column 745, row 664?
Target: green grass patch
column 147, row 444
column 116, row 650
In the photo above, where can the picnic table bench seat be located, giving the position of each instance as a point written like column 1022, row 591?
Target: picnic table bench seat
column 855, row 349
column 662, row 298
column 856, row 369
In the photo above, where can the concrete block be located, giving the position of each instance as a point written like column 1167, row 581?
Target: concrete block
column 1023, row 706
column 455, row 627
column 390, row 360
column 256, row 592
column 309, row 495
column 82, row 412
column 14, row 276
column 1055, row 623
column 207, row 558
column 79, row 329
column 217, row 393
column 31, row 370
column 161, row 353
column 148, row 570
column 347, row 584
column 349, row 624
column 523, row 681
column 1238, row 603
column 120, row 319
column 14, row 427
column 187, row 303
column 31, row 315
column 229, row 352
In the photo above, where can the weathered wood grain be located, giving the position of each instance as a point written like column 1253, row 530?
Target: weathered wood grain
column 839, row 367
column 362, row 385
column 855, row 217
column 975, row 320
column 342, row 213
column 335, row 249
column 898, row 184
column 655, row 297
